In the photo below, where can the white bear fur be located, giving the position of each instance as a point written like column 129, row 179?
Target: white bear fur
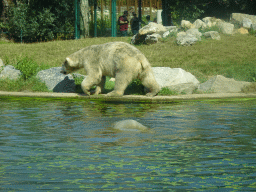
column 120, row 60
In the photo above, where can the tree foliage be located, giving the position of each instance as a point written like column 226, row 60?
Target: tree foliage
column 37, row 20
column 190, row 10
column 42, row 20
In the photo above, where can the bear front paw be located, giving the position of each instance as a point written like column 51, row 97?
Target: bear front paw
column 114, row 94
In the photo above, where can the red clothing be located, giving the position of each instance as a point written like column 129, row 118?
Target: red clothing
column 123, row 27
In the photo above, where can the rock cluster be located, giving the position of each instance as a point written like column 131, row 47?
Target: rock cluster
column 175, row 79
column 152, row 32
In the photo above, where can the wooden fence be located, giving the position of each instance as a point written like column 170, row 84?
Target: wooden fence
column 148, row 6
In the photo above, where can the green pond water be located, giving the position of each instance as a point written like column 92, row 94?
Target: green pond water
column 61, row 145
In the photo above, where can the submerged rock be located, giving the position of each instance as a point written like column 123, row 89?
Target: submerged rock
column 129, row 125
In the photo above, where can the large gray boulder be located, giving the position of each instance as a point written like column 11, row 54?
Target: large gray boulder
column 221, row 84
column 212, row 34
column 186, row 24
column 189, row 37
column 199, row 24
column 10, row 72
column 186, row 39
column 240, row 17
column 226, row 28
column 149, row 34
column 175, row 79
column 253, row 26
column 56, row 81
column 170, row 30
column 151, row 39
column 210, row 21
column 152, row 28
column 195, row 33
column 247, row 23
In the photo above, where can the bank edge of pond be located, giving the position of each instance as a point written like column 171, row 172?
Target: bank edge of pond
column 129, row 98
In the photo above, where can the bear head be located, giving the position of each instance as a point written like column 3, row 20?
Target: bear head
column 68, row 66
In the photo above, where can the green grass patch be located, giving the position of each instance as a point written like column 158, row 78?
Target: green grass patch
column 30, row 85
column 167, row 91
column 252, row 32
column 135, row 88
column 28, row 81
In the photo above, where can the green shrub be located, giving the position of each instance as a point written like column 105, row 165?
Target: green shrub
column 102, row 27
column 78, row 81
column 167, row 91
column 27, row 66
column 109, row 85
column 252, row 32
column 185, row 11
column 135, row 88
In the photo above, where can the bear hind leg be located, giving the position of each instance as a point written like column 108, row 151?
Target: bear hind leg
column 121, row 82
column 100, row 87
column 149, row 81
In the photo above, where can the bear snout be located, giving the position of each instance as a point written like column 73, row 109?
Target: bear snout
column 63, row 72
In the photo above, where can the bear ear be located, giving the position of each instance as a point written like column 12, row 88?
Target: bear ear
column 69, row 62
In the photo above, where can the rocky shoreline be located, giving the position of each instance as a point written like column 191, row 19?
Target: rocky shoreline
column 188, row 33
column 175, row 79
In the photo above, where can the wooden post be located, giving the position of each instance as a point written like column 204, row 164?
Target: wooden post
column 150, row 5
column 136, row 5
column 101, row 9
column 92, row 18
column 110, row 10
column 127, row 6
column 113, row 16
column 118, row 7
column 143, row 6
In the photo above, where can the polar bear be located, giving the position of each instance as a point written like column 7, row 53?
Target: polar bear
column 116, row 59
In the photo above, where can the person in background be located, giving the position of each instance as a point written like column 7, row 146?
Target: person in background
column 123, row 24
column 148, row 19
column 135, row 24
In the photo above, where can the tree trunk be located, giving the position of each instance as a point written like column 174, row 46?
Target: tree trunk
column 85, row 18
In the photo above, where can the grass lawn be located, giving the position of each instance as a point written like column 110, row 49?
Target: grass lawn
column 233, row 56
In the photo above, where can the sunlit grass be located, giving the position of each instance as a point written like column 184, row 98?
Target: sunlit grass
column 31, row 85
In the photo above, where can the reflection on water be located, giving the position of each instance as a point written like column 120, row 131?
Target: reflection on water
column 71, row 146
